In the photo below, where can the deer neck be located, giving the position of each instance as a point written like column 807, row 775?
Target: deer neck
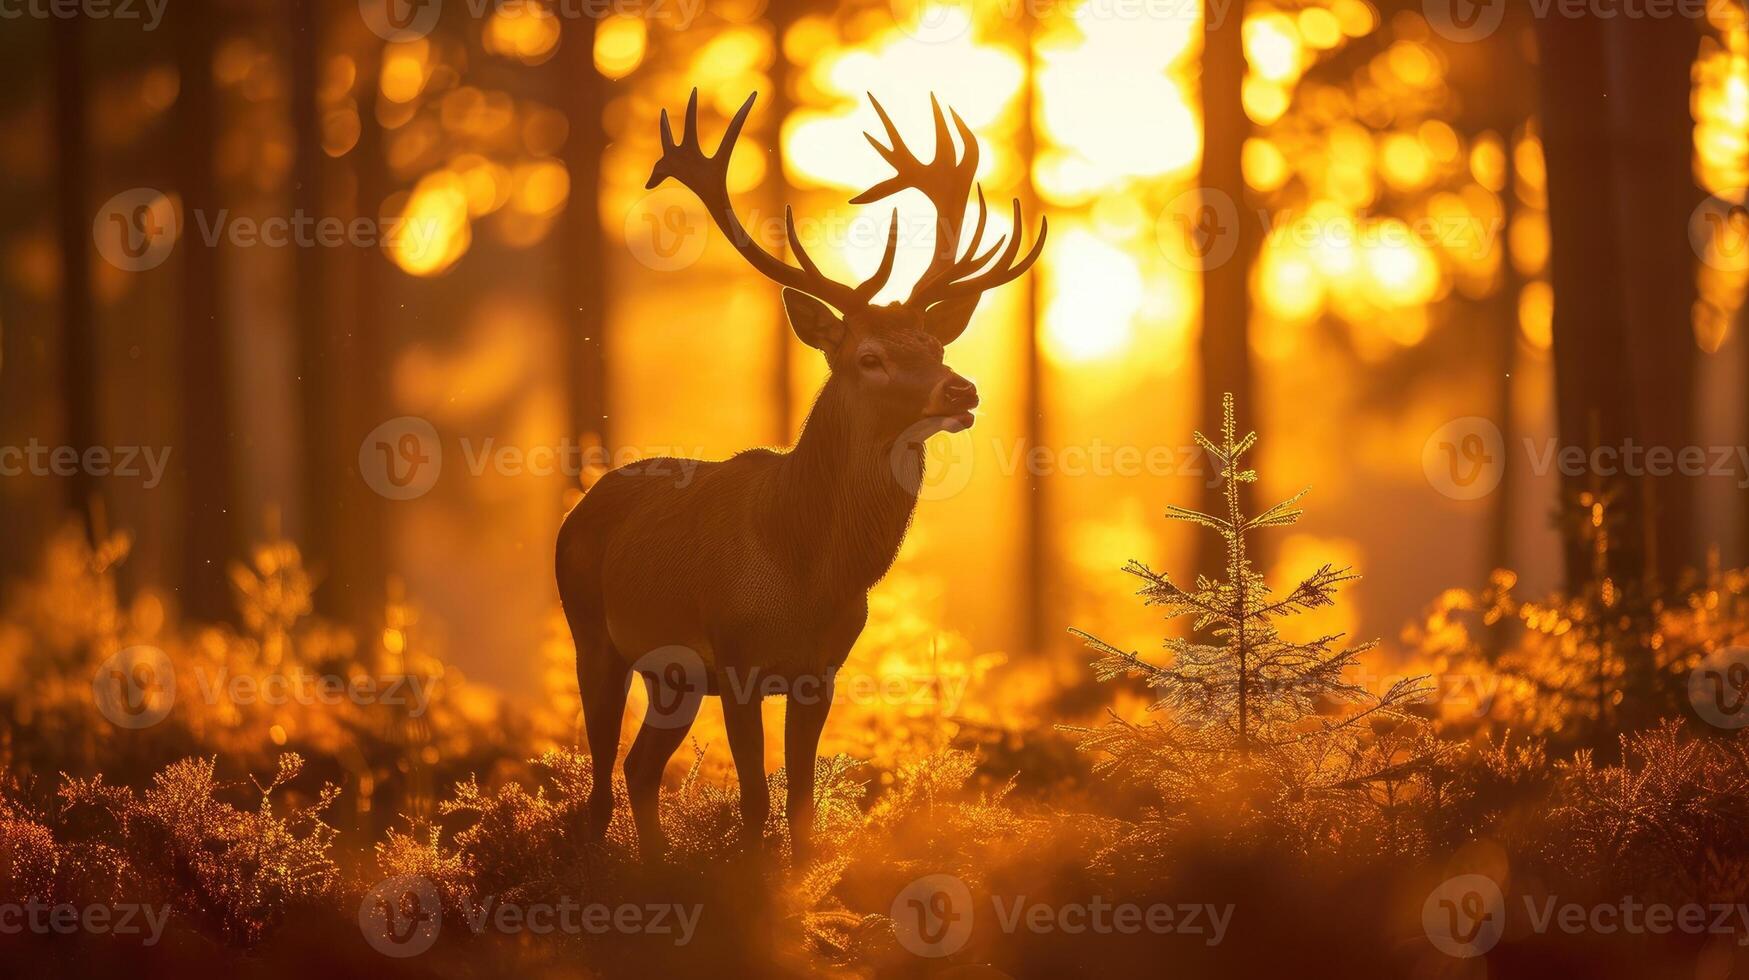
column 839, row 511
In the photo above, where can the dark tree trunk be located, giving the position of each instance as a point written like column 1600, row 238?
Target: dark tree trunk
column 1593, row 391
column 323, row 460
column 356, row 578
column 73, row 221
column 783, row 13
column 1036, row 559
column 1504, row 308
column 208, row 539
column 1224, row 347
column 1654, row 196
column 585, row 274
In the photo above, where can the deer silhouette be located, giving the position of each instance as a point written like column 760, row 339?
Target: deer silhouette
column 750, row 579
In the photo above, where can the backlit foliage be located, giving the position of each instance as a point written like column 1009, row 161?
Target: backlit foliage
column 1248, row 713
column 235, row 869
column 1586, row 664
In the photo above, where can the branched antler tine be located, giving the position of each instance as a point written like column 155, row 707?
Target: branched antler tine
column 708, row 179
column 978, row 229
column 873, row 283
column 969, row 162
column 943, row 140
column 899, row 156
column 733, row 133
column 1005, row 270
column 795, row 242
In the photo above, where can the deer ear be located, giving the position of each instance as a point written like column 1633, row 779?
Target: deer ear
column 814, row 323
column 948, row 320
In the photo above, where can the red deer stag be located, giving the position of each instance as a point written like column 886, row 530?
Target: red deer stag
column 751, row 578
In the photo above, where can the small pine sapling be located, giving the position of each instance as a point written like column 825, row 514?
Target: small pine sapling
column 1245, row 705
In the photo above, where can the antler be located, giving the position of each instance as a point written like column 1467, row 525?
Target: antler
column 707, row 178
column 947, row 181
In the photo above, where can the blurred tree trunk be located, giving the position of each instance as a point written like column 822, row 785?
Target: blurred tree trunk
column 1224, row 347
column 1621, row 191
column 1503, row 307
column 73, row 221
column 322, row 456
column 1593, row 394
column 582, row 251
column 357, row 578
column 1654, row 197
column 209, row 540
column 1037, row 556
column 783, row 13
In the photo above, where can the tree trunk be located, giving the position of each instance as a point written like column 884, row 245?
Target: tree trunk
column 208, row 538
column 1224, row 347
column 783, row 13
column 73, row 220
column 581, row 249
column 356, row 578
column 1654, row 196
column 1037, row 557
column 1593, row 394
column 322, row 459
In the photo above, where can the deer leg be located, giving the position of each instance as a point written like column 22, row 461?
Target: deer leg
column 804, row 718
column 601, row 679
column 661, row 734
column 746, row 728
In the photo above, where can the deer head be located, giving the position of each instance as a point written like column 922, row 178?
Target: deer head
column 886, row 360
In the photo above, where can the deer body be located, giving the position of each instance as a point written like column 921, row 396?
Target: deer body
column 750, row 579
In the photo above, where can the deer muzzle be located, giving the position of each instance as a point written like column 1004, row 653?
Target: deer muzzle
column 952, row 401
